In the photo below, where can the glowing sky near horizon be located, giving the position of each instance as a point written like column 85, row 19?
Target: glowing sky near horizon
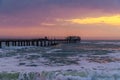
column 90, row 19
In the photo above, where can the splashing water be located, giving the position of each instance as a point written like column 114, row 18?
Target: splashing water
column 61, row 75
column 85, row 61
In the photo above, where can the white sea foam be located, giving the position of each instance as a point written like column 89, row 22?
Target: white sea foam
column 53, row 50
column 84, row 70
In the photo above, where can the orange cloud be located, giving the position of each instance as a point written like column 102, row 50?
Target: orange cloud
column 111, row 20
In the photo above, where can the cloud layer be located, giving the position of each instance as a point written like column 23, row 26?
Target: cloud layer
column 111, row 20
column 41, row 15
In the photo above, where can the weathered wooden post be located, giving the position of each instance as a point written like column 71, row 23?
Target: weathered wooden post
column 15, row 43
column 18, row 43
column 7, row 43
column 37, row 42
column 24, row 43
column 43, row 43
column 47, row 43
column 40, row 43
column 27, row 43
column 0, row 44
column 33, row 43
column 21, row 43
column 12, row 43
column 52, row 42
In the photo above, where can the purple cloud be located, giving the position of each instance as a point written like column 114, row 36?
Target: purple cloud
column 10, row 6
column 17, row 12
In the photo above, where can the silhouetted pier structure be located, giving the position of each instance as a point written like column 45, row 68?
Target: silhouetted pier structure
column 43, row 42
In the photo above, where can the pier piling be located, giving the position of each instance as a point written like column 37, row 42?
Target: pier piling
column 0, row 44
column 43, row 42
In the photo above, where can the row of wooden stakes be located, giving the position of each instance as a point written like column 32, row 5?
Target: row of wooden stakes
column 43, row 42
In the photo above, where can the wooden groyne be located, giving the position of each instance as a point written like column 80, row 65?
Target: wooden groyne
column 43, row 42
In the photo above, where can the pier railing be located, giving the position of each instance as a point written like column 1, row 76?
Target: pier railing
column 43, row 42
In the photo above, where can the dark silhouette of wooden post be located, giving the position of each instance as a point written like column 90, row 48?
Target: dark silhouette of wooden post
column 18, row 43
column 37, row 42
column 46, row 43
column 27, row 42
column 24, row 43
column 0, row 44
column 7, row 43
column 33, row 43
column 13, row 44
column 50, row 42
column 43, row 43
column 54, row 41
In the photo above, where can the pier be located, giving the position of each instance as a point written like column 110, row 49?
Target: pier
column 42, row 42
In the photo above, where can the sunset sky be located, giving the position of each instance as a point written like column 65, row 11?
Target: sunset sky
column 90, row 19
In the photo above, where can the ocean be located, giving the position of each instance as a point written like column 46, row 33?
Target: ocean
column 87, row 60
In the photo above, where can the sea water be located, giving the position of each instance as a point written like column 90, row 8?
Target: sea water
column 87, row 60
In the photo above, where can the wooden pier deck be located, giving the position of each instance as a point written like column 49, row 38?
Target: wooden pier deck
column 43, row 42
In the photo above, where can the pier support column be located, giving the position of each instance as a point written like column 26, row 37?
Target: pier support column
column 28, row 43
column 0, row 44
column 48, row 43
column 7, row 43
column 51, row 42
column 33, row 44
column 41, row 43
column 21, row 43
column 18, row 43
column 37, row 43
column 13, row 43
column 24, row 43
column 44, row 43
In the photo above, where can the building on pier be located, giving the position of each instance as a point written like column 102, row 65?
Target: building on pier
column 73, row 39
